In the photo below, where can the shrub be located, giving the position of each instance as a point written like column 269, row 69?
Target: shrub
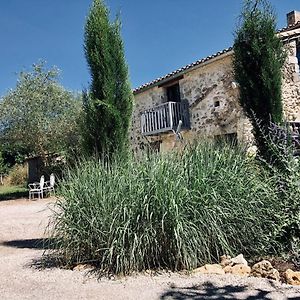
column 17, row 175
column 289, row 229
column 38, row 104
column 108, row 103
column 2, row 165
column 285, row 166
column 258, row 60
column 12, row 192
column 174, row 211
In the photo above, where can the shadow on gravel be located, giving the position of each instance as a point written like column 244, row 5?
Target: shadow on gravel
column 43, row 262
column 47, row 261
column 209, row 291
column 31, row 244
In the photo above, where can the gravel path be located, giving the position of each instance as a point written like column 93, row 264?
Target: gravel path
column 22, row 223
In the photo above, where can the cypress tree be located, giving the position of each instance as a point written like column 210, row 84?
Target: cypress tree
column 108, row 103
column 258, row 59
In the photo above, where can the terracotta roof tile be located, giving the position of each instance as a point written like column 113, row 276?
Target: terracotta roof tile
column 198, row 62
column 189, row 66
column 291, row 27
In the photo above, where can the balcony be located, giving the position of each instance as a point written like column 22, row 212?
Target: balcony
column 165, row 118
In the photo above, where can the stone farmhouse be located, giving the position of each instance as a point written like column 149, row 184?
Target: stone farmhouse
column 203, row 98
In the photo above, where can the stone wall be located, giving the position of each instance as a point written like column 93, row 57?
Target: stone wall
column 213, row 101
column 291, row 85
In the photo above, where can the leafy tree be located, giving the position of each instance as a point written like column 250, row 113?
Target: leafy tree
column 38, row 116
column 108, row 103
column 258, row 59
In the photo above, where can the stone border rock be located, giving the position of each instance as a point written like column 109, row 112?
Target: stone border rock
column 239, row 266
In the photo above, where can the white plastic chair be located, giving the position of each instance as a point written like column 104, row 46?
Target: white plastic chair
column 49, row 185
column 37, row 188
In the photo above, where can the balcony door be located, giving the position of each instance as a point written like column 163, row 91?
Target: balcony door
column 298, row 53
column 173, row 93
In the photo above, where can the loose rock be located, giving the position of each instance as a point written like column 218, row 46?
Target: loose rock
column 292, row 277
column 240, row 270
column 265, row 269
column 227, row 269
column 225, row 260
column 210, row 269
column 83, row 267
column 239, row 260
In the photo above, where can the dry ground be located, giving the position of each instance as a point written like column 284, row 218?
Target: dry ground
column 22, row 223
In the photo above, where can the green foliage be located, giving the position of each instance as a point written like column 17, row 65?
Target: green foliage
column 108, row 104
column 175, row 211
column 17, row 175
column 38, row 116
column 2, row 164
column 287, row 171
column 258, row 59
column 12, row 192
column 12, row 152
column 289, row 231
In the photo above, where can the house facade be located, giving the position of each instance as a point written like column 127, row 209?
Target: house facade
column 201, row 99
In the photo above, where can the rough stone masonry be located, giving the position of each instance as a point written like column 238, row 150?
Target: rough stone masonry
column 212, row 95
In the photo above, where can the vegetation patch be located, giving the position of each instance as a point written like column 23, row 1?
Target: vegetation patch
column 175, row 211
column 12, row 192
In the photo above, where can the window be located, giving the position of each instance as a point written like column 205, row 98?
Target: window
column 298, row 53
column 173, row 93
column 217, row 103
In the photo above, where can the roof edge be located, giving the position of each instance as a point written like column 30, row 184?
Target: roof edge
column 189, row 67
column 181, row 71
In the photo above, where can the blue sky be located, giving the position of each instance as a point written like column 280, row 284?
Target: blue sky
column 159, row 35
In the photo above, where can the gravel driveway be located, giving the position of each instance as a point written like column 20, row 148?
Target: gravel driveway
column 22, row 224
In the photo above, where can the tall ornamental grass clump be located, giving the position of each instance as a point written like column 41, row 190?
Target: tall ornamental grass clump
column 174, row 211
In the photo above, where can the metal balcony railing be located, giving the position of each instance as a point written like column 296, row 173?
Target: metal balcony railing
column 165, row 117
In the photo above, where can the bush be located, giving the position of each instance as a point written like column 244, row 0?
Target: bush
column 17, row 175
column 108, row 103
column 285, row 166
column 289, row 229
column 2, row 164
column 12, row 192
column 174, row 211
column 259, row 56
